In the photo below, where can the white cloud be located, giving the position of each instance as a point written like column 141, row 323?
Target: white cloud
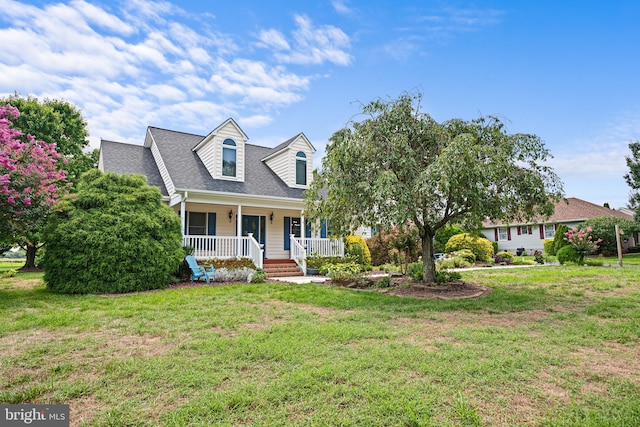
column 273, row 39
column 341, row 7
column 310, row 45
column 148, row 64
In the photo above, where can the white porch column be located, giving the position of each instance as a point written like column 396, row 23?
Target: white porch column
column 303, row 225
column 183, row 212
column 239, row 231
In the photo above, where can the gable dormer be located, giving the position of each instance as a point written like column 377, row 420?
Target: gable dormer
column 223, row 151
column 292, row 161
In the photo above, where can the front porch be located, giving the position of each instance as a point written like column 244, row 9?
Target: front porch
column 224, row 247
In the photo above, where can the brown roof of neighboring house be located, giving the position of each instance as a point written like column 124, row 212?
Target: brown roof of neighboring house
column 572, row 210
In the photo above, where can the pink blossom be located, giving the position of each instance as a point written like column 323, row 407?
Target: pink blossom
column 27, row 201
column 11, row 200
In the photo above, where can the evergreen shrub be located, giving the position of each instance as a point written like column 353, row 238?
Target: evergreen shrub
column 568, row 254
column 113, row 236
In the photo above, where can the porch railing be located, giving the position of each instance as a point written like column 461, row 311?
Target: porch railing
column 206, row 247
column 301, row 248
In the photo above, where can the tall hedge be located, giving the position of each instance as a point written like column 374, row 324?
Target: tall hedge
column 113, row 236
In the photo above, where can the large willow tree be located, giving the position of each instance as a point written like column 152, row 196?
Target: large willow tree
column 399, row 166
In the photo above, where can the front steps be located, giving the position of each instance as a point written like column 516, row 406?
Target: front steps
column 281, row 268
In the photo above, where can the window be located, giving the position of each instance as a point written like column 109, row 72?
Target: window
column 229, row 152
column 503, row 233
column 524, row 229
column 549, row 231
column 197, row 223
column 201, row 224
column 301, row 168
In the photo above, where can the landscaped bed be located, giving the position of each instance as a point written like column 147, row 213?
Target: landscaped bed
column 547, row 346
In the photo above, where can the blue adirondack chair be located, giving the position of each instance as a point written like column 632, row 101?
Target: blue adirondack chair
column 198, row 271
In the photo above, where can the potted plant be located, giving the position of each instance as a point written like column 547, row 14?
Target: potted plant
column 314, row 262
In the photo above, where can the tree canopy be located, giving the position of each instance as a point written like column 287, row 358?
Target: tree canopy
column 60, row 127
column 30, row 182
column 56, row 121
column 399, row 166
column 633, row 178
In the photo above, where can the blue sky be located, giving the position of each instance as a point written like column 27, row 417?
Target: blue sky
column 566, row 71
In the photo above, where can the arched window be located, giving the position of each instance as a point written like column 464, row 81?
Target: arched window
column 301, row 168
column 229, row 157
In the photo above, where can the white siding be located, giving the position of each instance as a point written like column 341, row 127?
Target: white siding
column 211, row 152
column 280, row 165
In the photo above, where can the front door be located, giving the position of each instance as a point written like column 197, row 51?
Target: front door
column 257, row 225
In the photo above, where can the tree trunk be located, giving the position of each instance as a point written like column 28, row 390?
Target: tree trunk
column 428, row 263
column 31, row 256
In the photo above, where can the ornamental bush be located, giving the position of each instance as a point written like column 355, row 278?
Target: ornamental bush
column 481, row 247
column 559, row 239
column 549, row 247
column 357, row 247
column 568, row 254
column 113, row 236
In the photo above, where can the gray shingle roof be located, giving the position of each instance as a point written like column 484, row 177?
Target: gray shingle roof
column 188, row 172
column 129, row 159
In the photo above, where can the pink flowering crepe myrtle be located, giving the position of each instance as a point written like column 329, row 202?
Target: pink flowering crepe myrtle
column 30, row 177
column 582, row 240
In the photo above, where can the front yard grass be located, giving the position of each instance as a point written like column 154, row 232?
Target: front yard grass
column 549, row 346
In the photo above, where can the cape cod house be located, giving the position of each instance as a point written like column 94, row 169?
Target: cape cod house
column 531, row 236
column 235, row 199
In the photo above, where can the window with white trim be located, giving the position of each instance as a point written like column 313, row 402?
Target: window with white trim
column 524, row 229
column 229, row 154
column 503, row 234
column 549, row 231
column 301, row 168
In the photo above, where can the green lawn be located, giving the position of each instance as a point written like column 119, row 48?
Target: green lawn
column 549, row 346
column 627, row 259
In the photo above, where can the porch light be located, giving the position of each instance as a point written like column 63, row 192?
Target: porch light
column 230, row 215
column 271, row 217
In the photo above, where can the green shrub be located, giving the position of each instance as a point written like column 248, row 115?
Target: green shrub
column 464, row 254
column 258, row 277
column 558, row 239
column 549, row 247
column 342, row 272
column 384, row 282
column 357, row 247
column 113, row 236
column 443, row 235
column 568, row 254
column 538, row 257
column 415, row 271
column 505, row 255
column 444, row 276
column 481, row 247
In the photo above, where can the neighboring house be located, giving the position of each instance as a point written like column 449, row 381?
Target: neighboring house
column 235, row 199
column 531, row 236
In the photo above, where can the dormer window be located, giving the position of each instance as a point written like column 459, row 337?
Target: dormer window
column 229, row 154
column 301, row 168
